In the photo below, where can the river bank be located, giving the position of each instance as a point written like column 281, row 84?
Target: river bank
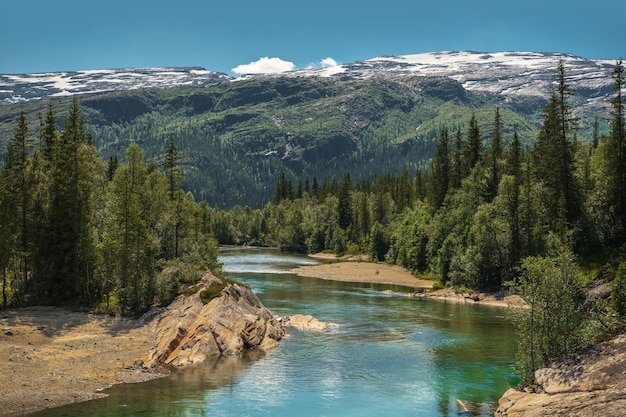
column 51, row 356
column 582, row 384
column 352, row 269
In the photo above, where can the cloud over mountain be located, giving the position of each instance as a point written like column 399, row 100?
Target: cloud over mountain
column 265, row 65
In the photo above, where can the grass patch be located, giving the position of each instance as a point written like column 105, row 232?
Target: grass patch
column 212, row 292
column 438, row 286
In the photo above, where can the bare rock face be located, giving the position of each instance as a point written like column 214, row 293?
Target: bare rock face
column 581, row 385
column 188, row 330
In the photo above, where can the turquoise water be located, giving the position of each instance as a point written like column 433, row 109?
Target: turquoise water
column 390, row 356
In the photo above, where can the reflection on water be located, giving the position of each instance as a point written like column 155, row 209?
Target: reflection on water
column 391, row 355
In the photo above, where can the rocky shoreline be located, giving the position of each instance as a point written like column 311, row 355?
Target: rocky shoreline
column 585, row 384
column 60, row 357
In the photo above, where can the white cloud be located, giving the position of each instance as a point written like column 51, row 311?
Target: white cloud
column 265, row 65
column 328, row 62
column 324, row 63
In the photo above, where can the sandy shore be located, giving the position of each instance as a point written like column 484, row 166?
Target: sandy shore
column 348, row 269
column 375, row 273
column 50, row 357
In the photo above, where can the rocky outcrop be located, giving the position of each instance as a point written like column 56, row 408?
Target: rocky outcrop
column 190, row 330
column 301, row 322
column 587, row 384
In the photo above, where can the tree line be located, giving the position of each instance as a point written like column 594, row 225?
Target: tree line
column 487, row 213
column 79, row 231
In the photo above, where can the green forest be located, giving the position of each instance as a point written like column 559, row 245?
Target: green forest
column 235, row 139
column 82, row 232
column 87, row 219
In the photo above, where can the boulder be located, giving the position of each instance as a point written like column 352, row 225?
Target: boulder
column 188, row 330
column 301, row 322
column 585, row 384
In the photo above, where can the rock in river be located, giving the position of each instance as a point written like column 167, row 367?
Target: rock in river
column 189, row 330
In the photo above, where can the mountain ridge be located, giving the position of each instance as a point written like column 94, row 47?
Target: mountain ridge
column 373, row 117
column 16, row 88
column 505, row 73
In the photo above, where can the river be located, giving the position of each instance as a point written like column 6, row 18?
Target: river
column 391, row 355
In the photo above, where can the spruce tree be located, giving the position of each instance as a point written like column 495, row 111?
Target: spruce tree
column 514, row 164
column 48, row 131
column 616, row 144
column 344, row 208
column 18, row 187
column 495, row 154
column 440, row 171
column 595, row 138
column 70, row 212
column 473, row 150
column 554, row 156
column 457, row 160
column 171, row 167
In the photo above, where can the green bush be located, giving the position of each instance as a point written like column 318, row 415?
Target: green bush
column 212, row 292
column 618, row 290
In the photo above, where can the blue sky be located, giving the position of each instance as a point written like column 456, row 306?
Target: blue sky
column 61, row 35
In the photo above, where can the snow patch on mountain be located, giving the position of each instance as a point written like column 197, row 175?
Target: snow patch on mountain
column 504, row 73
column 508, row 74
column 22, row 87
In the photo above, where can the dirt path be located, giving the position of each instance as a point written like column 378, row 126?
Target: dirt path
column 50, row 357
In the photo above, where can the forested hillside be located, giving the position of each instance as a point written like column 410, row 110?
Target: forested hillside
column 236, row 138
column 546, row 220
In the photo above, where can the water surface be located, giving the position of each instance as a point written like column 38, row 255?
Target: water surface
column 391, row 355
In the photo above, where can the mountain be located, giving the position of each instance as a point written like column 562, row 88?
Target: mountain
column 23, row 87
column 236, row 137
column 505, row 73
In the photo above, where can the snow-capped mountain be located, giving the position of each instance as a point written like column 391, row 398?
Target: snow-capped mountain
column 504, row 73
column 23, row 87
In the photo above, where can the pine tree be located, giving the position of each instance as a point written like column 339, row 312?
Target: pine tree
column 595, row 138
column 554, row 155
column 457, row 160
column 43, row 178
column 405, row 195
column 344, row 208
column 514, row 164
column 616, row 164
column 171, row 166
column 567, row 145
column 70, row 212
column 113, row 164
column 473, row 151
column 18, row 188
column 495, row 154
column 48, row 131
column 440, row 171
